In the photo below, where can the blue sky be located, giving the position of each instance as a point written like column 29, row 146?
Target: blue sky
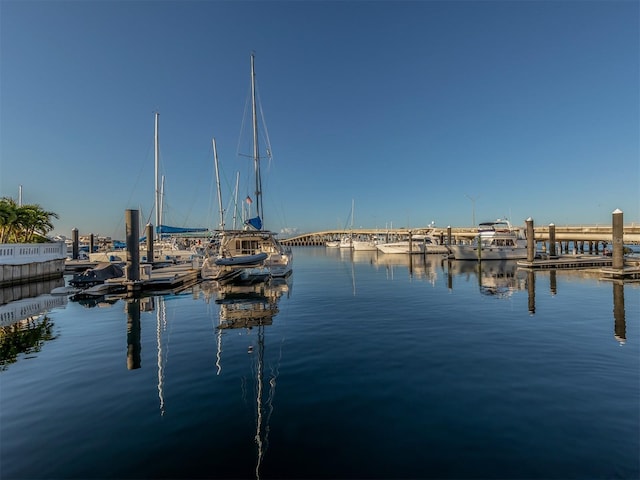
column 417, row 111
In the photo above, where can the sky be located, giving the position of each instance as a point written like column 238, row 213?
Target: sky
column 412, row 112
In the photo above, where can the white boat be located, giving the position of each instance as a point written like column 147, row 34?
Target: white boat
column 365, row 244
column 419, row 244
column 332, row 243
column 497, row 240
column 251, row 252
column 346, row 242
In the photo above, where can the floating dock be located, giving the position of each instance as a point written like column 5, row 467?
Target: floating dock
column 567, row 261
column 603, row 265
column 167, row 278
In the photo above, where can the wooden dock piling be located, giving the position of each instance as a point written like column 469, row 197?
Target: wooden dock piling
column 552, row 240
column 618, row 244
column 531, row 240
column 132, row 235
column 149, row 233
column 75, row 243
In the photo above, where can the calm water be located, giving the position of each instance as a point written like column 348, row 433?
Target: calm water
column 368, row 367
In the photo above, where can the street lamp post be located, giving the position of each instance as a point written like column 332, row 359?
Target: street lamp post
column 473, row 208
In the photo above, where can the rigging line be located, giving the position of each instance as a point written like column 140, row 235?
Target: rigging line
column 242, row 123
column 269, row 155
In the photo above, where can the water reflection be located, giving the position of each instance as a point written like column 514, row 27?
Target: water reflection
column 420, row 267
column 133, row 334
column 496, row 278
column 25, row 325
column 620, row 324
column 252, row 307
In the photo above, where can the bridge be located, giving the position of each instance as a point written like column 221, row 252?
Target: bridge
column 567, row 233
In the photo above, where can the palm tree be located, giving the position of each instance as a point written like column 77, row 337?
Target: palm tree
column 37, row 221
column 24, row 224
column 8, row 217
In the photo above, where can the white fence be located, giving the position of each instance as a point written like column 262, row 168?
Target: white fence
column 25, row 253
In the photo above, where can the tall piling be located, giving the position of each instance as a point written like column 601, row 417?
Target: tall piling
column 449, row 235
column 132, row 234
column 618, row 242
column 552, row 240
column 531, row 240
column 75, row 243
column 149, row 233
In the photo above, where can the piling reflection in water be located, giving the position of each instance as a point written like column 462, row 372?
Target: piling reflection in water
column 620, row 325
column 133, row 334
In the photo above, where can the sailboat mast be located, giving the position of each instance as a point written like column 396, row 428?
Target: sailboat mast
column 157, row 161
column 256, row 153
column 161, row 205
column 235, row 202
column 215, row 158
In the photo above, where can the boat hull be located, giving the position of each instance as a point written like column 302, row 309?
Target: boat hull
column 401, row 248
column 470, row 252
column 243, row 260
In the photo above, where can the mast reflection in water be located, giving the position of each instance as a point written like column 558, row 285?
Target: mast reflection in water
column 252, row 307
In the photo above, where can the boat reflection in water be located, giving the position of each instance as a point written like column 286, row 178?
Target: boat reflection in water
column 252, row 307
column 496, row 278
column 421, row 267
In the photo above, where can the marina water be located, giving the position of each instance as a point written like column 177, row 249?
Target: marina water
column 369, row 366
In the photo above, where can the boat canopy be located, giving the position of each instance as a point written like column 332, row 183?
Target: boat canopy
column 255, row 222
column 168, row 229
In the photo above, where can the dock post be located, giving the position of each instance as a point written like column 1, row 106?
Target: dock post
column 149, row 231
column 618, row 244
column 531, row 240
column 449, row 235
column 410, row 242
column 91, row 242
column 132, row 234
column 75, row 242
column 552, row 240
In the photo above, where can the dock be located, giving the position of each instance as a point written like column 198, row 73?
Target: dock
column 567, row 261
column 603, row 266
column 164, row 279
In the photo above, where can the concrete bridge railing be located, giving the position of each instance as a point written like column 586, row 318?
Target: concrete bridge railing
column 595, row 233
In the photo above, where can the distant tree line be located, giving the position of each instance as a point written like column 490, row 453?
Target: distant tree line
column 25, row 223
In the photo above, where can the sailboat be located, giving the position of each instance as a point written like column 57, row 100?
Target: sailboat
column 165, row 247
column 252, row 253
column 347, row 240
